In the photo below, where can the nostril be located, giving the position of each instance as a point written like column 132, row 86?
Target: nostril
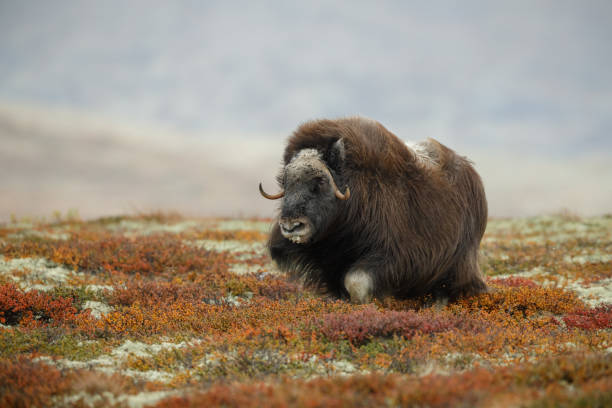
column 292, row 226
column 296, row 225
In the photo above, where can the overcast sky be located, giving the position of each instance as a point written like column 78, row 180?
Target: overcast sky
column 491, row 73
column 504, row 82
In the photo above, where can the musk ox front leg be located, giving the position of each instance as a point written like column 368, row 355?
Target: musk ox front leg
column 359, row 284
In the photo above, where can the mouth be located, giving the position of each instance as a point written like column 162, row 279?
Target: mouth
column 298, row 230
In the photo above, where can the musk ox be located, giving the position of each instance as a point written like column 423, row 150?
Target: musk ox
column 364, row 214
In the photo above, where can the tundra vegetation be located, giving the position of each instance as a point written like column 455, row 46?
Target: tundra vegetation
column 158, row 310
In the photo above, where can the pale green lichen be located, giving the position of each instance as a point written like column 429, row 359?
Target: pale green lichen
column 244, row 225
column 112, row 362
column 232, row 246
column 136, row 227
column 537, row 271
column 42, row 274
column 107, row 398
column 246, row 268
column 34, row 234
column 547, row 228
column 99, row 288
column 596, row 257
column 97, row 309
column 594, row 294
column 233, row 364
column 141, row 349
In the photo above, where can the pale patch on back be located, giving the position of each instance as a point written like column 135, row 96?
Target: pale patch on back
column 424, row 154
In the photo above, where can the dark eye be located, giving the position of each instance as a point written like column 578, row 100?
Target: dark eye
column 317, row 185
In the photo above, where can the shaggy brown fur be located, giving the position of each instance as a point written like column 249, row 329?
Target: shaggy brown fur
column 413, row 222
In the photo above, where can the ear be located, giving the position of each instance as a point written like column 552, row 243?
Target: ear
column 336, row 154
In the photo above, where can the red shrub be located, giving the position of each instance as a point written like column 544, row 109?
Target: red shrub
column 161, row 293
column 517, row 385
column 362, row 325
column 276, row 289
column 590, row 319
column 27, row 384
column 515, row 282
column 33, row 307
column 150, row 254
column 522, row 301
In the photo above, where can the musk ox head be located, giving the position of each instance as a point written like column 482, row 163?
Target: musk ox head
column 310, row 196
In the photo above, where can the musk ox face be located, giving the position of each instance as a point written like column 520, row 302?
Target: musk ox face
column 310, row 197
column 309, row 201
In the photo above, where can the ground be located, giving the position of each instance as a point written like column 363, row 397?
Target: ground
column 159, row 310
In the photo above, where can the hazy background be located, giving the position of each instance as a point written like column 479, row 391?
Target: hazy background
column 123, row 106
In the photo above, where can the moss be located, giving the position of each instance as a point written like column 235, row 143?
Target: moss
column 172, row 359
column 49, row 341
column 249, row 364
column 237, row 287
column 80, row 294
column 374, row 348
column 591, row 399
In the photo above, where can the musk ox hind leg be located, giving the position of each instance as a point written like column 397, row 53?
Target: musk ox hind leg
column 467, row 279
column 359, row 284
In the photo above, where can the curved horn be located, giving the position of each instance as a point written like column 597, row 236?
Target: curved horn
column 339, row 195
column 345, row 196
column 270, row 196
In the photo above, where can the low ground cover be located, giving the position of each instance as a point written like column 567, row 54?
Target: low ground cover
column 157, row 310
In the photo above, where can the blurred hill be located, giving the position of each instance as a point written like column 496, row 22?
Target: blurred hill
column 58, row 160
